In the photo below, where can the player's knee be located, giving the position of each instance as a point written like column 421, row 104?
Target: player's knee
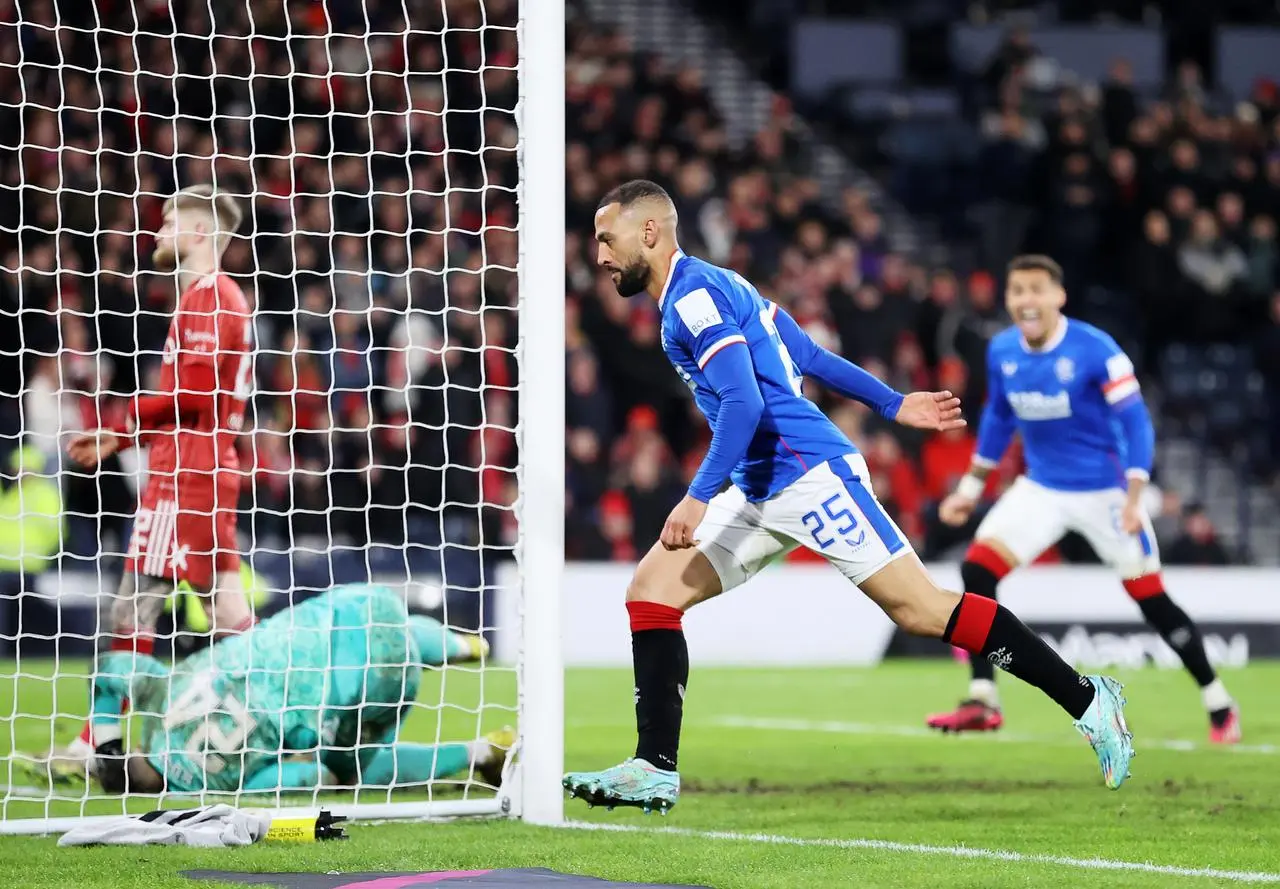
column 123, row 616
column 985, row 564
column 669, row 578
column 918, row 621
column 645, row 587
column 926, row 614
column 1140, row 586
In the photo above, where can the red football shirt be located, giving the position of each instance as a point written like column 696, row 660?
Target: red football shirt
column 211, row 329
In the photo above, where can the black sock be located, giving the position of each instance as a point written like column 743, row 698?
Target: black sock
column 661, row 660
column 1176, row 627
column 981, row 581
column 981, row 626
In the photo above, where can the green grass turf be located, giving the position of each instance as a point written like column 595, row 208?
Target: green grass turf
column 839, row 755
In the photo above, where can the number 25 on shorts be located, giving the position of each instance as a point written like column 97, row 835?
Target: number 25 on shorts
column 839, row 521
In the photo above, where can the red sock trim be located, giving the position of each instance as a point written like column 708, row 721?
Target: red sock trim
column 973, row 622
column 1146, row 587
column 142, row 643
column 654, row 616
column 981, row 554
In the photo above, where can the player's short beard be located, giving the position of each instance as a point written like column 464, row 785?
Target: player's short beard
column 165, row 259
column 634, row 277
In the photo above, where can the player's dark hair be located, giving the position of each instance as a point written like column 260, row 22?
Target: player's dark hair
column 628, row 193
column 1036, row 262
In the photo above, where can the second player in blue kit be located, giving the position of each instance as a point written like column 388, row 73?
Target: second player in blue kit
column 778, row 474
column 1070, row 392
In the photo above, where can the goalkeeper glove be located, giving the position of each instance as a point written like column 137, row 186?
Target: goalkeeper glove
column 111, row 765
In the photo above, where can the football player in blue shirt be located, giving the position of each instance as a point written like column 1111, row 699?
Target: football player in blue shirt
column 1071, row 393
column 777, row 475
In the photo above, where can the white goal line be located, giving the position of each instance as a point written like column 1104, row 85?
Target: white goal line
column 916, row 731
column 1098, row 864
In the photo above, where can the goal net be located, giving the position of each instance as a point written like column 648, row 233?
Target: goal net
column 399, row 167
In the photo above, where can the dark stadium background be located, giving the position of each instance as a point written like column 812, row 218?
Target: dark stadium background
column 1135, row 142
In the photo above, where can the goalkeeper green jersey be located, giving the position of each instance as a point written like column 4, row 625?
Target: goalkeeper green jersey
column 326, row 676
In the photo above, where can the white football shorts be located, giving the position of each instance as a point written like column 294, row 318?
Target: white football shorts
column 1030, row 518
column 831, row 509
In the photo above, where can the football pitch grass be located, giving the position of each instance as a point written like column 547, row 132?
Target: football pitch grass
column 807, row 777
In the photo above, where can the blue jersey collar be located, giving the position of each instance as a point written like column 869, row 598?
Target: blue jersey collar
column 671, row 273
column 1051, row 343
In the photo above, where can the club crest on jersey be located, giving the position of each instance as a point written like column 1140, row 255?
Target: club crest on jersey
column 1009, row 367
column 1065, row 369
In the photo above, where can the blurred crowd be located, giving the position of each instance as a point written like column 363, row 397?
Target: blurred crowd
column 1173, row 205
column 379, row 252
column 376, row 160
column 1170, row 202
column 634, row 438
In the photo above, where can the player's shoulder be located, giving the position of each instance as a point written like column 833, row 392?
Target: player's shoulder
column 1089, row 340
column 701, row 295
column 1007, row 340
column 218, row 291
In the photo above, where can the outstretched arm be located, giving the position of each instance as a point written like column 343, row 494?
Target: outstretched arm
column 833, row 371
column 1121, row 390
column 921, row 410
column 995, row 431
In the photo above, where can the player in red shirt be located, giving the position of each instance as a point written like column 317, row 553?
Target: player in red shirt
column 185, row 528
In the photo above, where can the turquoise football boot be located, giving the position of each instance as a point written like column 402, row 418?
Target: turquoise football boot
column 1104, row 726
column 633, row 783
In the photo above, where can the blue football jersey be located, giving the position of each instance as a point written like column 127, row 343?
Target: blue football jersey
column 1063, row 399
column 706, row 309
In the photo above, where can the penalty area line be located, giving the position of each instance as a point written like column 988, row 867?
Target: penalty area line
column 1096, row 864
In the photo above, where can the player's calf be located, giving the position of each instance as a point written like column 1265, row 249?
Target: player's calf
column 666, row 583
column 985, row 565
column 1177, row 629
column 980, row 626
column 983, row 627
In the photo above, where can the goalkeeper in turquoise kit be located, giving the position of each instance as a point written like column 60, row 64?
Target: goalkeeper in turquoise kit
column 313, row 696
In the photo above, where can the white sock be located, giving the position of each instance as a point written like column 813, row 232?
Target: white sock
column 1215, row 696
column 984, row 690
column 481, row 751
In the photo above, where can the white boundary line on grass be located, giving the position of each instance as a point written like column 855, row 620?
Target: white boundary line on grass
column 1103, row 864
column 913, row 731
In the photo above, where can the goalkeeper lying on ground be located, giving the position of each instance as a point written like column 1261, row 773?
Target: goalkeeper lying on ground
column 314, row 695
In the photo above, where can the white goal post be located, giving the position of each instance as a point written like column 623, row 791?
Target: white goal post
column 101, row 141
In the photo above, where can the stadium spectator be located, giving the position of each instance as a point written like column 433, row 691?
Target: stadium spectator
column 350, row 255
column 1198, row 544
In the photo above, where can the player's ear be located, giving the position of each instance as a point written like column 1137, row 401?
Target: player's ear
column 649, row 234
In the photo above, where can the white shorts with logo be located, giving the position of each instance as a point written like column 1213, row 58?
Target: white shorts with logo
column 1030, row 518
column 831, row 509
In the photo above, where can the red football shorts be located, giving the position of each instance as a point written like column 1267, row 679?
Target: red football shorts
column 185, row 534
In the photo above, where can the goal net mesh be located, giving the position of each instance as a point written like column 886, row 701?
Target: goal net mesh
column 373, row 149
